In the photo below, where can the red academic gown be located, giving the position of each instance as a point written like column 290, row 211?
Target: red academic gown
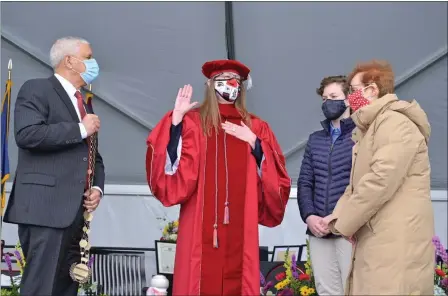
column 233, row 267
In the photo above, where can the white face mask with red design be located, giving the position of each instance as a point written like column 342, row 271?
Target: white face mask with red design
column 228, row 89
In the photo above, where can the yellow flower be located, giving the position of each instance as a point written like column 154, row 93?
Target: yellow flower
column 282, row 284
column 279, row 286
column 176, row 223
column 311, row 291
column 304, row 291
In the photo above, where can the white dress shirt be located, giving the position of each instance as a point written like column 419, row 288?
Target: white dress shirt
column 71, row 90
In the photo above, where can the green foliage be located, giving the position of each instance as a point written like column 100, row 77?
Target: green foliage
column 10, row 292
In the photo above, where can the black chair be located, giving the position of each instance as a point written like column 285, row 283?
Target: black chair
column 439, row 260
column 9, row 249
column 119, row 271
column 264, row 253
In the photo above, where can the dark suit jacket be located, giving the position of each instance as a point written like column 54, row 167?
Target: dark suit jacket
column 51, row 171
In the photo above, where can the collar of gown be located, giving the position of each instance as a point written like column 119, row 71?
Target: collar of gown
column 229, row 111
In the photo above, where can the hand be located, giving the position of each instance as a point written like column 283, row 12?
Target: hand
column 326, row 221
column 351, row 239
column 182, row 104
column 92, row 123
column 242, row 132
column 315, row 224
column 92, row 199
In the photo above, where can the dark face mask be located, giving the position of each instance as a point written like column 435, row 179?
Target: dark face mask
column 333, row 109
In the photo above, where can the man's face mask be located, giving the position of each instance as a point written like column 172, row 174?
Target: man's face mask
column 92, row 70
column 228, row 89
column 333, row 109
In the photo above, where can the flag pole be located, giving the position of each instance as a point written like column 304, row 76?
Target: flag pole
column 9, row 69
column 89, row 96
column 5, row 175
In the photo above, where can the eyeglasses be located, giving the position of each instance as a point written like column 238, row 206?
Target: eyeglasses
column 354, row 88
column 238, row 79
column 227, row 79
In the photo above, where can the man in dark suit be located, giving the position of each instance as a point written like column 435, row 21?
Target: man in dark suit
column 49, row 194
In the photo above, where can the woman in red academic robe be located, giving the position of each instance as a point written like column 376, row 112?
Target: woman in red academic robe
column 227, row 171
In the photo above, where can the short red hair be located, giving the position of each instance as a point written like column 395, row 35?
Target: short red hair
column 378, row 72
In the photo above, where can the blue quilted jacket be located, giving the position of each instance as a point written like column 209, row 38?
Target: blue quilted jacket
column 325, row 171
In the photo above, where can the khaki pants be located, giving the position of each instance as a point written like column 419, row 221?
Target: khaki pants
column 330, row 259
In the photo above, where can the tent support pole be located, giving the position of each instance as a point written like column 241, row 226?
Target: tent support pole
column 230, row 40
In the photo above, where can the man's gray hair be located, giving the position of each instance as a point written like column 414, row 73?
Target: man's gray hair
column 64, row 46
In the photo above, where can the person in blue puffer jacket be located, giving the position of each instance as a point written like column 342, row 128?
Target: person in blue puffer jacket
column 324, row 176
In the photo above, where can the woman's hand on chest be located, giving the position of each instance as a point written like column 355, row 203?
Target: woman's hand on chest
column 242, row 132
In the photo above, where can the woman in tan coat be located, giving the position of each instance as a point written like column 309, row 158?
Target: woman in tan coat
column 386, row 210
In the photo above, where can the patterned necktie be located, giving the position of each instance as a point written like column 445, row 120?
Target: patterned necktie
column 83, row 113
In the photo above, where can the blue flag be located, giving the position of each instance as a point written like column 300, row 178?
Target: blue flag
column 6, row 108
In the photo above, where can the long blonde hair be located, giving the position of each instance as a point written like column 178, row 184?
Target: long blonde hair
column 209, row 111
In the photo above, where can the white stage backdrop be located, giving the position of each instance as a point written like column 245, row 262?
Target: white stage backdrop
column 129, row 216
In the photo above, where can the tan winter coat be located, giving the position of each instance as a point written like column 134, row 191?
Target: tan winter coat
column 387, row 206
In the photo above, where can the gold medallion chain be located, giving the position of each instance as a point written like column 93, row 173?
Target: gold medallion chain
column 81, row 272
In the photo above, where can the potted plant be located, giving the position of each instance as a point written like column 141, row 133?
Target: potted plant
column 293, row 281
column 14, row 290
column 169, row 233
column 441, row 268
column 87, row 289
